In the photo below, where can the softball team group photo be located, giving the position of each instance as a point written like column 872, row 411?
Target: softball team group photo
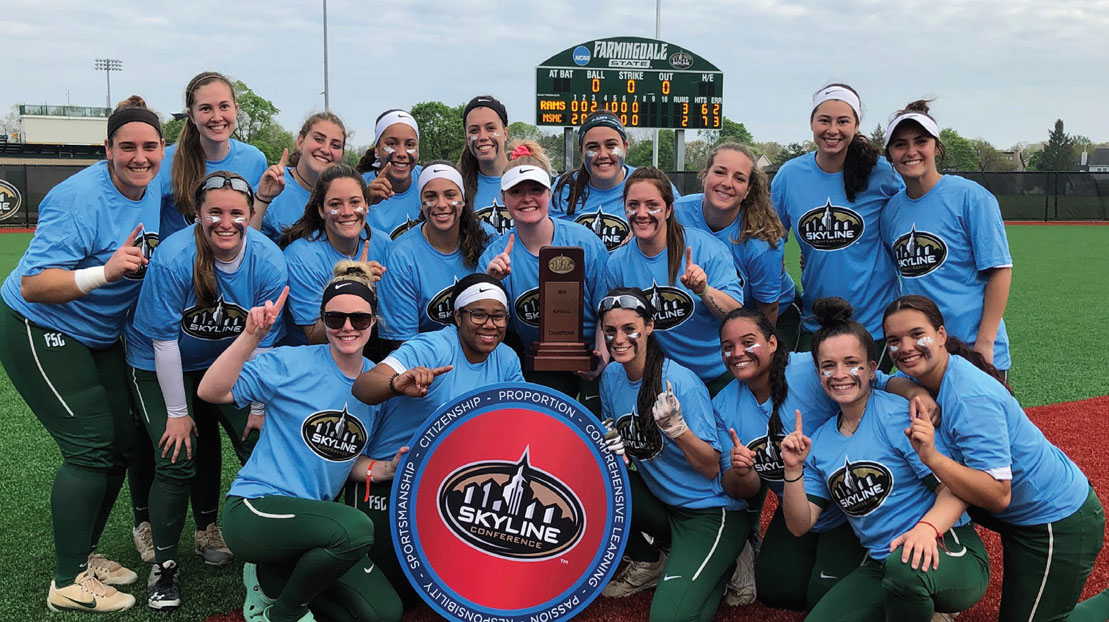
column 317, row 314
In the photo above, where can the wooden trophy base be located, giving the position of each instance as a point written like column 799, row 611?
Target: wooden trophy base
column 558, row 356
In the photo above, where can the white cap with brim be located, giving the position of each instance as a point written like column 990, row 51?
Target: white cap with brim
column 925, row 121
column 517, row 174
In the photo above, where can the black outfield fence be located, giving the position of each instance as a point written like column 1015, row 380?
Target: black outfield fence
column 1022, row 196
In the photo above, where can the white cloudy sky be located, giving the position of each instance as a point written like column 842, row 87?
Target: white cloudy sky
column 1003, row 70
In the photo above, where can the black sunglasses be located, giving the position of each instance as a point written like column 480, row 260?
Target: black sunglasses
column 217, row 181
column 336, row 320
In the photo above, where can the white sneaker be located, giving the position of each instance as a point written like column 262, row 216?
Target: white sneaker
column 741, row 587
column 110, row 572
column 144, row 542
column 87, row 594
column 636, row 577
column 944, row 617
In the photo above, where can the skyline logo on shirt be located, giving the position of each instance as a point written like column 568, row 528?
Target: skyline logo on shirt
column 830, row 227
column 441, row 306
column 860, row 487
column 405, row 226
column 918, row 253
column 223, row 320
column 527, row 307
column 497, row 217
column 612, row 230
column 334, row 435
column 673, row 305
column 511, row 510
column 147, row 242
column 643, row 442
column 768, row 457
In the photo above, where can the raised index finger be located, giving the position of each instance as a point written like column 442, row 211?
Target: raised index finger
column 284, row 158
column 688, row 257
column 281, row 300
column 386, row 160
column 133, row 236
column 735, row 437
column 511, row 240
column 441, row 370
column 366, row 252
column 798, row 423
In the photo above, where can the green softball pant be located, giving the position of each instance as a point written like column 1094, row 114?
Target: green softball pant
column 891, row 590
column 175, row 481
column 376, row 507
column 796, row 572
column 316, row 551
column 1046, row 566
column 80, row 396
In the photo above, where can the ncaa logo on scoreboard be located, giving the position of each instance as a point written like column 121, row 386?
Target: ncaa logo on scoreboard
column 510, row 481
column 581, row 56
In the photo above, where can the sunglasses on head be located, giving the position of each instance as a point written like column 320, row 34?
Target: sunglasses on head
column 216, row 182
column 336, row 320
column 624, row 301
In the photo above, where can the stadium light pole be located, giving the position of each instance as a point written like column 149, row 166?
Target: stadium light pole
column 658, row 37
column 326, row 101
column 108, row 65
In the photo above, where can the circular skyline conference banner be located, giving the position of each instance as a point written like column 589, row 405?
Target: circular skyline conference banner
column 508, row 507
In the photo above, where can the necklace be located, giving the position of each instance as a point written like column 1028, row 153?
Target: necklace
column 842, row 428
column 300, row 180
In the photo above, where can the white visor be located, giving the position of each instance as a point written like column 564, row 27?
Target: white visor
column 924, row 120
column 480, row 291
column 394, row 117
column 441, row 171
column 840, row 93
column 517, row 174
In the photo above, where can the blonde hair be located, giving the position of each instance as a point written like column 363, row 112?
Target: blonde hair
column 537, row 157
column 348, row 270
column 757, row 216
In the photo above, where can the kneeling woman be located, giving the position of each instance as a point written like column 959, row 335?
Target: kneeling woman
column 192, row 305
column 303, row 551
column 990, row 454
column 421, row 375
column 862, row 461
column 663, row 413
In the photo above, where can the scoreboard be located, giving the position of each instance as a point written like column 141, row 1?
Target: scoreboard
column 646, row 82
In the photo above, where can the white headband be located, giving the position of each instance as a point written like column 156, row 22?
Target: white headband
column 924, row 120
column 392, row 118
column 840, row 93
column 441, row 171
column 517, row 174
column 480, row 291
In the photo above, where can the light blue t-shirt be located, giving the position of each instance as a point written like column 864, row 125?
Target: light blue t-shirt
column 314, row 431
column 943, row 243
column 81, row 223
column 242, row 158
column 602, row 212
column 737, row 408
column 286, row 208
column 685, row 328
column 761, row 267
column 402, row 415
column 415, row 293
column 398, row 213
column 311, row 265
column 667, row 472
column 1046, row 485
column 874, row 475
column 841, row 245
column 489, row 204
column 523, row 282
column 168, row 310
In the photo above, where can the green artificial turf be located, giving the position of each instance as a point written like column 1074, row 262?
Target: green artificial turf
column 1057, row 325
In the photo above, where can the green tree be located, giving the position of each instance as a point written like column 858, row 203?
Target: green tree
column 171, row 130
column 696, row 155
column 878, row 137
column 640, row 151
column 551, row 143
column 960, row 154
column 729, row 132
column 989, row 158
column 791, row 151
column 441, row 133
column 1059, row 154
column 256, row 114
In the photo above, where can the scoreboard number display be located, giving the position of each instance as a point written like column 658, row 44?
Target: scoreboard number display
column 646, row 82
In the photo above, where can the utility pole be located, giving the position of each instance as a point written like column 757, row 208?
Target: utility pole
column 326, row 94
column 658, row 37
column 108, row 65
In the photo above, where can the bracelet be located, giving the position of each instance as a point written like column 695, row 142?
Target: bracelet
column 393, row 387
column 369, row 480
column 703, row 292
column 796, row 479
column 261, row 200
column 939, row 536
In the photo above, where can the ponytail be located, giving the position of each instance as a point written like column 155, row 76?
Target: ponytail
column 862, row 157
column 189, row 163
column 204, row 270
column 779, row 388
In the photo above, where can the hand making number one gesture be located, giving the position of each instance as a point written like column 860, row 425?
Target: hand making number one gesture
column 796, row 446
column 376, row 269
column 127, row 259
column 742, row 458
column 261, row 318
column 921, row 432
column 380, row 188
column 501, row 266
column 273, row 180
column 694, row 278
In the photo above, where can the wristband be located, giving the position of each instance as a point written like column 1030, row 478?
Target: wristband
column 369, row 480
column 88, row 279
column 257, row 409
column 261, row 200
column 703, row 292
column 796, row 479
column 939, row 536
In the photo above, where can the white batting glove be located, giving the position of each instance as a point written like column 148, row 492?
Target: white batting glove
column 613, row 441
column 668, row 413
